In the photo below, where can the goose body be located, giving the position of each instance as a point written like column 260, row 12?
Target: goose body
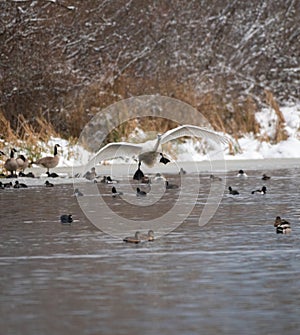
column 148, row 152
column 22, row 162
column 11, row 164
column 49, row 162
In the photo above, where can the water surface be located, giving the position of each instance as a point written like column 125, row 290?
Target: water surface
column 232, row 276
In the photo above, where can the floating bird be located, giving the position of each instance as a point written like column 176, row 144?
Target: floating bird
column 111, row 181
column 138, row 175
column 19, row 185
column 282, row 226
column 265, row 177
column 242, row 174
column 49, row 162
column 170, row 186
column 66, row 219
column 29, row 174
column 133, row 239
column 77, row 193
column 11, row 164
column 149, row 151
column 90, row 175
column 233, row 192
column 52, row 174
column 262, row 191
column 215, row 178
column 8, row 185
column 1, row 186
column 115, row 193
column 182, row 171
column 140, row 193
column 48, row 184
column 148, row 237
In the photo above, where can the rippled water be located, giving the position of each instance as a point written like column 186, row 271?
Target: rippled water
column 232, row 276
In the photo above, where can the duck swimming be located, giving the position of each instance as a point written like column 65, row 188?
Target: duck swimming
column 282, row 226
column 115, row 193
column 48, row 184
column 66, row 219
column 262, row 191
column 265, row 177
column 242, row 174
column 133, row 239
column 19, row 185
column 148, row 237
column 140, row 193
column 232, row 192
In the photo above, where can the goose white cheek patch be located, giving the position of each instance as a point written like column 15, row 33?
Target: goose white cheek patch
column 160, row 210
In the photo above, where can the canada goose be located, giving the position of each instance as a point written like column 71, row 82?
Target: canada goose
column 242, row 174
column 22, row 162
column 262, row 191
column 148, row 237
column 170, row 186
column 232, row 192
column 139, row 174
column 48, row 184
column 282, row 226
column 265, row 177
column 11, row 164
column 133, row 239
column 147, row 152
column 115, row 193
column 49, row 162
column 140, row 193
column 19, row 185
column 66, row 219
column 1, row 186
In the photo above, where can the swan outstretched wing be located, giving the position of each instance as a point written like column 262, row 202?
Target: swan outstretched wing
column 116, row 150
column 189, row 130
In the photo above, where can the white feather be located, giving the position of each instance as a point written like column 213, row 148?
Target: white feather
column 148, row 151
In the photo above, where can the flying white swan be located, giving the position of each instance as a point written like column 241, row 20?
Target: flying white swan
column 148, row 152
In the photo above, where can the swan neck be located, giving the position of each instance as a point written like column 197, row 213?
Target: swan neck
column 157, row 144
